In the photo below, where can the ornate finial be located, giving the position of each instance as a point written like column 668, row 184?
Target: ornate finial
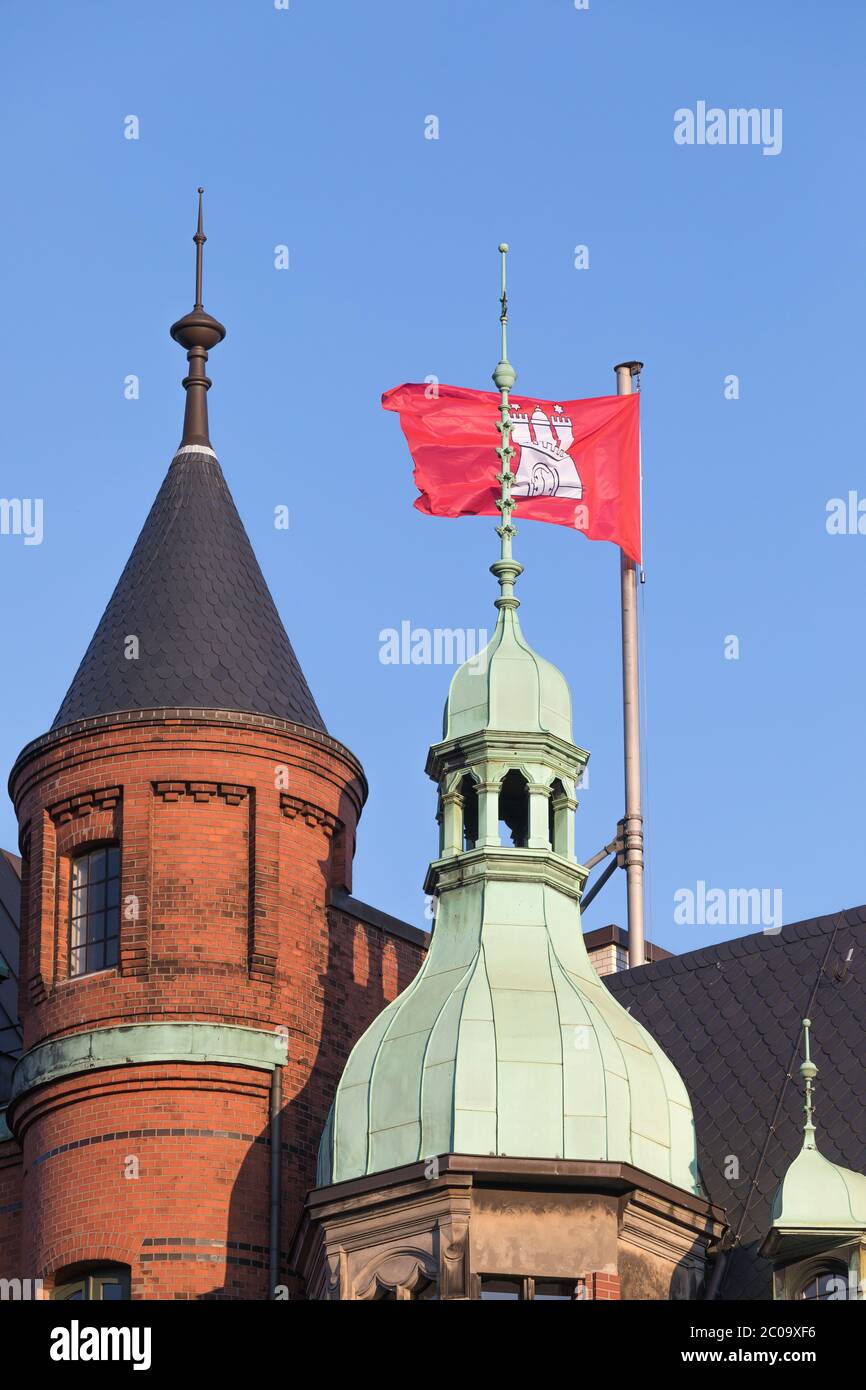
column 506, row 569
column 199, row 240
column 808, row 1071
column 198, row 332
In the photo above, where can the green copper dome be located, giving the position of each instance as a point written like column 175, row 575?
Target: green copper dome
column 816, row 1197
column 508, row 686
column 507, row 1042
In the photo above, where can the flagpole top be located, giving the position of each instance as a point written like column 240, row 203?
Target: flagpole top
column 627, row 374
column 504, row 376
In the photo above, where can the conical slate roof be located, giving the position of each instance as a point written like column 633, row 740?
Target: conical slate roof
column 209, row 635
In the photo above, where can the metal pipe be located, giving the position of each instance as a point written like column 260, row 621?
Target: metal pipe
column 598, row 885
column 602, row 854
column 633, row 819
column 275, row 1185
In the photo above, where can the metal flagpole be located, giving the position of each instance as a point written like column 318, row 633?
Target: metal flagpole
column 632, row 825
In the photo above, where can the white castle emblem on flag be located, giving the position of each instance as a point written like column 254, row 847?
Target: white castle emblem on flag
column 545, row 468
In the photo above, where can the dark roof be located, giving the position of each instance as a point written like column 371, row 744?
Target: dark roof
column 612, row 935
column 729, row 1016
column 192, row 593
column 10, row 1028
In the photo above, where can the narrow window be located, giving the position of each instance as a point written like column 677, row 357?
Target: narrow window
column 469, row 797
column 557, row 817
column 94, row 910
column 500, row 1289
column 523, row 1289
column 514, row 810
column 554, row 1290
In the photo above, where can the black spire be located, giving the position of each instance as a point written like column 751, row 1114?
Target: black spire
column 191, row 623
column 198, row 332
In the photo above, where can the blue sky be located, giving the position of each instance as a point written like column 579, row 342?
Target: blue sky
column 556, row 129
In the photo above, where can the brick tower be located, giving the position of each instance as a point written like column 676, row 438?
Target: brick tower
column 187, row 827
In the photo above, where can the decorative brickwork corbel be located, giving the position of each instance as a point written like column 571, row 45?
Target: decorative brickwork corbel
column 293, row 806
column 104, row 799
column 201, row 791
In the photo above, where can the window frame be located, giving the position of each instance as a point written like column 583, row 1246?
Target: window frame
column 76, row 948
column 527, row 1285
column 91, row 1280
column 826, row 1269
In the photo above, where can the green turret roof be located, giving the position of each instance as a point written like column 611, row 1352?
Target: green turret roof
column 815, row 1197
column 508, row 687
column 507, row 1042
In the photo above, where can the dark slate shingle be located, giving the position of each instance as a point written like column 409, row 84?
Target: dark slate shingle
column 729, row 1019
column 192, row 593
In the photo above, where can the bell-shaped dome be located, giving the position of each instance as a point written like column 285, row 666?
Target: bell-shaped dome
column 817, row 1195
column 508, row 1043
column 508, row 687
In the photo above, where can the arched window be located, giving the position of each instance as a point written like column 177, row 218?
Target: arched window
column 469, row 798
column 92, row 1283
column 827, row 1284
column 94, row 910
column 514, row 809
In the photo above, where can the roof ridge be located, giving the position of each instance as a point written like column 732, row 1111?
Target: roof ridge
column 749, row 943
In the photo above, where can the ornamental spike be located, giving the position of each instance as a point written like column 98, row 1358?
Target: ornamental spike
column 808, row 1071
column 506, row 569
column 199, row 240
column 197, row 332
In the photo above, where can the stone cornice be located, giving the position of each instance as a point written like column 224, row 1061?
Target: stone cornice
column 139, row 1043
column 142, row 718
column 480, row 1170
column 507, row 865
column 491, row 745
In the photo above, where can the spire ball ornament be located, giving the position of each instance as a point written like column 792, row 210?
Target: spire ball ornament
column 198, row 332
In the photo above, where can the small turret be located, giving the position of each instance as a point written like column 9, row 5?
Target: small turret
column 818, row 1215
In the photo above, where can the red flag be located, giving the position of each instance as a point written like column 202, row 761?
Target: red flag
column 577, row 463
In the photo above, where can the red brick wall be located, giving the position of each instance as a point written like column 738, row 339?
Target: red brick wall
column 10, row 1211
column 234, row 832
column 602, row 1286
